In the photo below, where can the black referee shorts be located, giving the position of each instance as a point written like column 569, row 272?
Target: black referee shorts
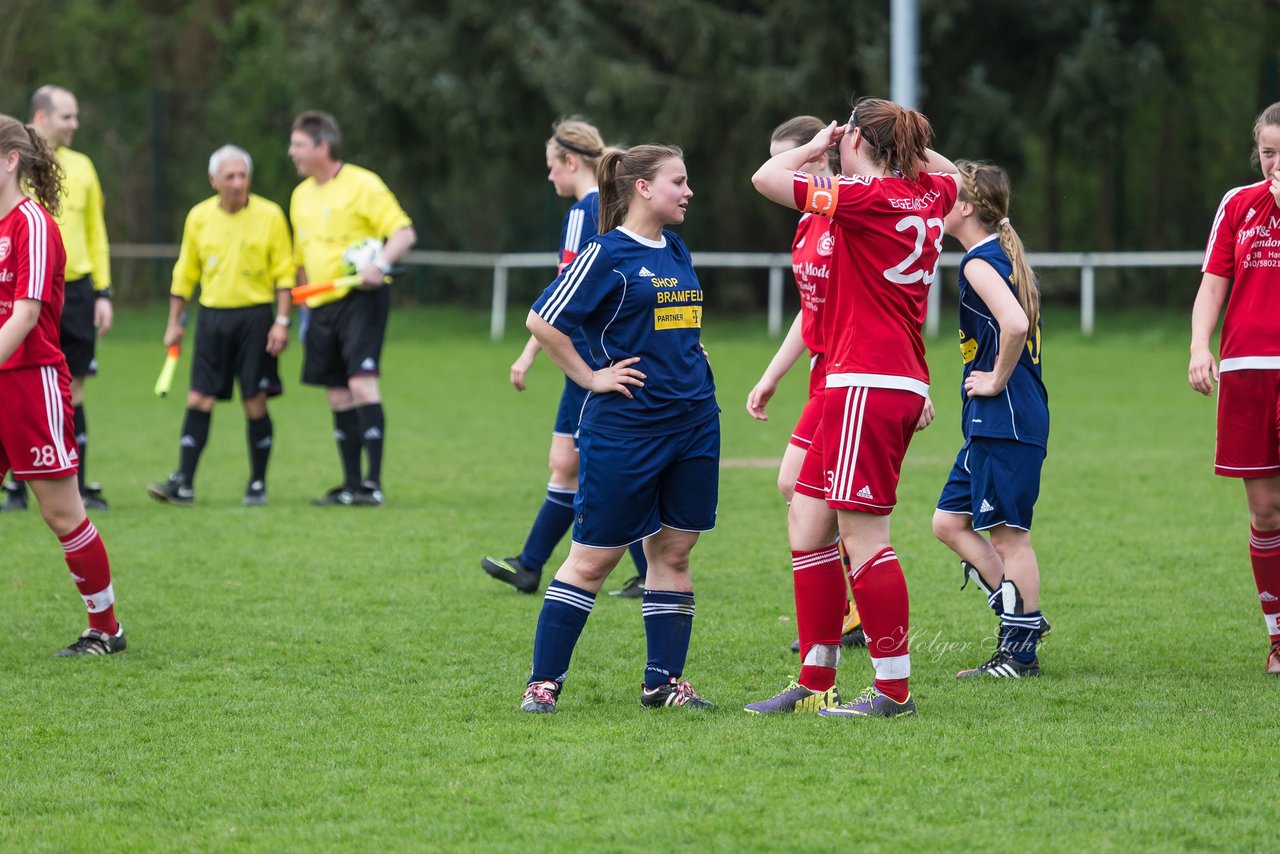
column 231, row 346
column 79, row 336
column 344, row 338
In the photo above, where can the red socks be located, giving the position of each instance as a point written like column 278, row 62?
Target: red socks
column 880, row 593
column 818, row 577
column 91, row 572
column 1264, row 554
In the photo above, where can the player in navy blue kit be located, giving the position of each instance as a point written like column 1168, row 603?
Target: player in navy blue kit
column 649, row 435
column 572, row 155
column 996, row 477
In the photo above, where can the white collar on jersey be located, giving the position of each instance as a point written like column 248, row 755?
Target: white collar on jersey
column 644, row 241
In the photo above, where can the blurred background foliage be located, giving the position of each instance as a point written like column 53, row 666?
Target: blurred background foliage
column 1122, row 122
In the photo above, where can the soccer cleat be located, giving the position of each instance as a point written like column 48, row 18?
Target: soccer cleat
column 92, row 497
column 368, row 495
column 1273, row 660
column 172, row 491
column 796, row 698
column 871, row 704
column 95, row 642
column 633, row 589
column 1003, row 665
column 677, row 694
column 511, row 571
column 255, row 495
column 339, row 495
column 15, row 498
column 540, row 698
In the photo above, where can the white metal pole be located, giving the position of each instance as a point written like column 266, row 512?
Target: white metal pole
column 775, row 302
column 904, row 65
column 1087, row 297
column 498, row 314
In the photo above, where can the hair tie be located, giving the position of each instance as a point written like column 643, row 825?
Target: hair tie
column 1002, row 223
column 576, row 149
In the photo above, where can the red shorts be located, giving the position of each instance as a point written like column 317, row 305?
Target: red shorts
column 1248, row 424
column 37, row 440
column 856, row 456
column 802, row 435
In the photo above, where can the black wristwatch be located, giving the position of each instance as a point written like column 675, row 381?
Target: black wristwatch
column 105, row 293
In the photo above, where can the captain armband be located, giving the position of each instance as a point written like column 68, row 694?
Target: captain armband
column 821, row 194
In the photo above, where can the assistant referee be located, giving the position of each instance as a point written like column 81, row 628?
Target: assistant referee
column 236, row 247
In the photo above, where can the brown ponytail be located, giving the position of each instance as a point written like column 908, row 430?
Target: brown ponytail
column 38, row 171
column 617, row 174
column 898, row 137
column 986, row 187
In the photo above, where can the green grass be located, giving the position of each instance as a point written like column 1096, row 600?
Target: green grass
column 330, row 678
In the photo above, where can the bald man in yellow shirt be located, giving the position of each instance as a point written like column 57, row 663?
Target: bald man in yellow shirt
column 338, row 205
column 236, row 249
column 55, row 114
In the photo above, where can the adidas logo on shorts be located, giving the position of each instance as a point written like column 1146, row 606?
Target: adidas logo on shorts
column 865, row 492
column 986, row 507
column 1267, row 596
column 368, row 365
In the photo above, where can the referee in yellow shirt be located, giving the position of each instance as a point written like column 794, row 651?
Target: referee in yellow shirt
column 235, row 246
column 337, row 206
column 55, row 115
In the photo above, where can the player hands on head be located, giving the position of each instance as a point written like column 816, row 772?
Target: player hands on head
column 235, row 247
column 36, row 439
column 889, row 211
column 811, row 265
column 86, row 312
column 649, row 436
column 572, row 152
column 1243, row 260
column 338, row 204
column 995, row 481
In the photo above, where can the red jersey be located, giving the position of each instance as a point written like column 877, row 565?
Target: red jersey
column 32, row 264
column 888, row 235
column 811, row 265
column 1244, row 246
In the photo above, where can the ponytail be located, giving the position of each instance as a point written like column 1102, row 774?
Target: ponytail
column 899, row 138
column 986, row 187
column 38, row 171
column 1024, row 278
column 617, row 173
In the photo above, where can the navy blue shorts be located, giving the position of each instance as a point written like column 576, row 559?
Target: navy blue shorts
column 631, row 486
column 996, row 481
column 570, row 411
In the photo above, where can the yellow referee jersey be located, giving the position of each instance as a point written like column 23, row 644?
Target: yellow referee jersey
column 237, row 259
column 84, row 231
column 327, row 218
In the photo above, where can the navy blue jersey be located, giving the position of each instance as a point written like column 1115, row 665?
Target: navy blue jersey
column 580, row 225
column 1021, row 411
column 632, row 296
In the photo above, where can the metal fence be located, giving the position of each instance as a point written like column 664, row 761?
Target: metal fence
column 777, row 263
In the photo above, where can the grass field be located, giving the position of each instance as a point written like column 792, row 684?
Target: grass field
column 336, row 678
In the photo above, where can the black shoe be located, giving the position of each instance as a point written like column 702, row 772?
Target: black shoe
column 511, row 571
column 368, row 495
column 674, row 694
column 1003, row 665
column 855, row 637
column 92, row 497
column 15, row 497
column 255, row 495
column 95, row 642
column 172, row 491
column 339, row 495
column 633, row 589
